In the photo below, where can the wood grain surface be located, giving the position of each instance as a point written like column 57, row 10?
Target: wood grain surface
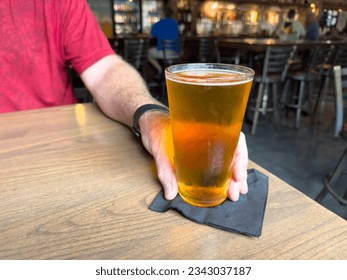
column 77, row 185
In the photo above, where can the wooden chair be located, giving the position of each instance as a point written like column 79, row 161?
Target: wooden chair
column 274, row 69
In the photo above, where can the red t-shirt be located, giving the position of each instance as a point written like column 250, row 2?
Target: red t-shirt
column 39, row 39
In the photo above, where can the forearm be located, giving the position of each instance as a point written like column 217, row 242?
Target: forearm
column 117, row 88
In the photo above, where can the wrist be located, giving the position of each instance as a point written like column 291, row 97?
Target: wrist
column 141, row 115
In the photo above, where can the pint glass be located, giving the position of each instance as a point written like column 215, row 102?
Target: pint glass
column 207, row 105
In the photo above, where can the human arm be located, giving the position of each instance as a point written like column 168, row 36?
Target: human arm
column 119, row 90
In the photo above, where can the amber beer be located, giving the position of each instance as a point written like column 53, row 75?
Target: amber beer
column 207, row 106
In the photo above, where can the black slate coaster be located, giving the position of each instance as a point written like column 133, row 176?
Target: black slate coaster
column 244, row 216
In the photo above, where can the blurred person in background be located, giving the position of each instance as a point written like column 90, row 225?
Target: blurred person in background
column 291, row 28
column 297, row 27
column 166, row 28
column 312, row 28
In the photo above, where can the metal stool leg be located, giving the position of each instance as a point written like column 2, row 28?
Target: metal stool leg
column 320, row 103
column 275, row 101
column 300, row 103
column 345, row 196
column 322, row 194
column 331, row 179
column 309, row 102
column 257, row 108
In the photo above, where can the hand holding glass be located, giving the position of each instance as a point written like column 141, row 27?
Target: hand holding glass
column 207, row 106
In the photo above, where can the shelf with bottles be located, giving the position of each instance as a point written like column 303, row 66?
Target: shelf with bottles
column 184, row 15
column 183, row 4
column 126, row 28
column 125, row 6
column 148, row 23
column 152, row 11
column 128, row 22
column 184, row 12
column 126, row 12
column 126, row 16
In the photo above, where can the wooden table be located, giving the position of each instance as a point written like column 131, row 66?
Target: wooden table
column 77, row 185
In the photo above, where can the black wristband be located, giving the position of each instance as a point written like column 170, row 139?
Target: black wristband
column 140, row 111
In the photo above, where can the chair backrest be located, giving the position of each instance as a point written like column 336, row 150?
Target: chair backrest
column 340, row 79
column 340, row 55
column 276, row 60
column 170, row 56
column 136, row 51
column 319, row 57
column 340, row 82
column 208, row 50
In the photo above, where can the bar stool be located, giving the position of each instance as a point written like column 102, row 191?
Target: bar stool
column 306, row 76
column 275, row 66
column 208, row 50
column 229, row 55
column 339, row 58
column 340, row 81
column 170, row 54
column 170, row 57
column 136, row 53
column 331, row 179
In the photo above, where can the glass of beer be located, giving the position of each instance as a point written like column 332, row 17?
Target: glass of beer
column 207, row 105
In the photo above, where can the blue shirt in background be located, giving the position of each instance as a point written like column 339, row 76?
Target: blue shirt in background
column 312, row 31
column 166, row 29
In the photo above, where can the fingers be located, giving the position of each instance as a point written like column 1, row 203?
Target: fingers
column 244, row 187
column 166, row 175
column 236, row 188
column 238, row 182
column 158, row 141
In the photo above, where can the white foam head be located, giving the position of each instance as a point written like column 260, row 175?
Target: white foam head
column 208, row 77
